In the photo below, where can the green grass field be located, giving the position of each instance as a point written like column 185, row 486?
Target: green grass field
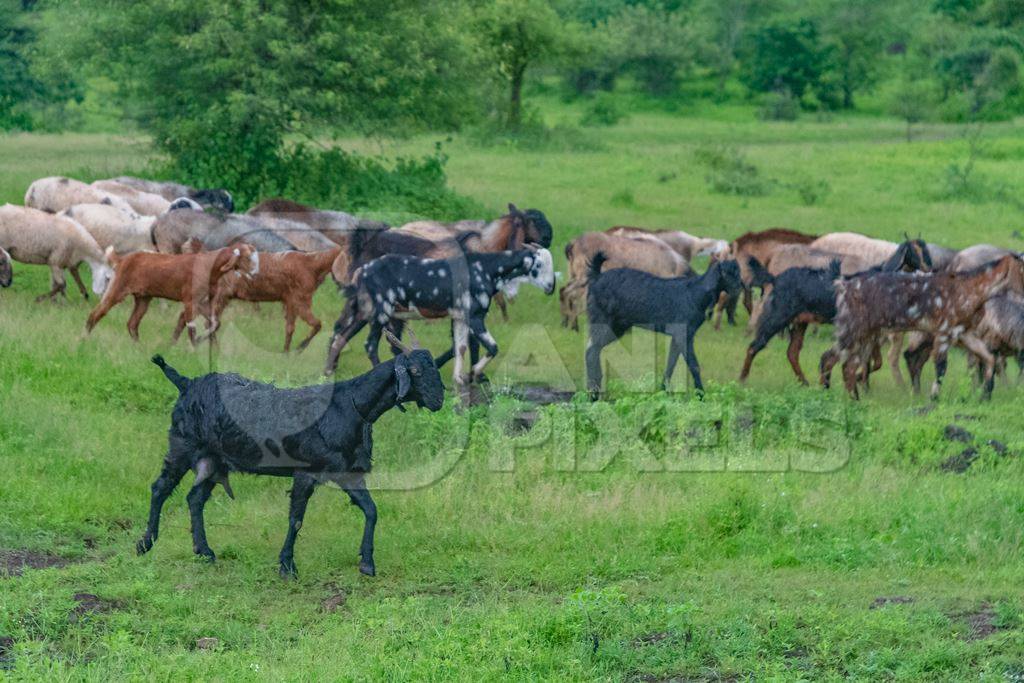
column 768, row 532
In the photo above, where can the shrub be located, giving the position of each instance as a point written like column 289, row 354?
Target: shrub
column 247, row 155
column 603, row 110
column 729, row 172
column 779, row 105
column 811, row 190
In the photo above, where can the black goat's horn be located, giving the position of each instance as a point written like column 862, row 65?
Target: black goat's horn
column 412, row 338
column 396, row 342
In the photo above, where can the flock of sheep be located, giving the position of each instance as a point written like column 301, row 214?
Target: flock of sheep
column 150, row 240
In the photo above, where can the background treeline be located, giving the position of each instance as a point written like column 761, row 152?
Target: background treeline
column 248, row 94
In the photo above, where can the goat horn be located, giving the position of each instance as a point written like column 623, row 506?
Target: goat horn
column 396, row 342
column 412, row 338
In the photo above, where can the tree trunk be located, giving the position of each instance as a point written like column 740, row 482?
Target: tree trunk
column 515, row 102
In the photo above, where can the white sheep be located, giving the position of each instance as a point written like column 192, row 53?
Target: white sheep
column 36, row 237
column 56, row 193
column 113, row 228
column 144, row 203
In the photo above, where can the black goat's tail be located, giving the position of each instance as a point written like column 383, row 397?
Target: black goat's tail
column 594, row 267
column 761, row 276
column 175, row 378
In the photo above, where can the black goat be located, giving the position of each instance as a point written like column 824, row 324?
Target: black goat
column 801, row 296
column 620, row 299
column 396, row 287
column 226, row 423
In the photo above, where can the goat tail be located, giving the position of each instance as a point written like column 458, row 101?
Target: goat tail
column 761, row 276
column 594, row 267
column 568, row 250
column 175, row 378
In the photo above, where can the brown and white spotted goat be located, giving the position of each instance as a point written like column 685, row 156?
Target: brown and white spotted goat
column 945, row 305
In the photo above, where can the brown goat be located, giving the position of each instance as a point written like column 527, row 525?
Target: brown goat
column 188, row 278
column 762, row 246
column 643, row 252
column 946, row 305
column 291, row 278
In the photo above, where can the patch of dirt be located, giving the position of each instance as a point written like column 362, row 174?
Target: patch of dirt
column 958, row 464
column 207, row 643
column 522, row 422
column 334, row 603
column 924, row 410
column 90, row 604
column 14, row 562
column 6, row 653
column 998, row 446
column 982, row 622
column 795, row 653
column 682, row 678
column 541, row 395
column 957, row 433
column 964, row 417
column 891, row 600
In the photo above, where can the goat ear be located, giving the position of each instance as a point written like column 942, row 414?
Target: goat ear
column 232, row 260
column 402, row 376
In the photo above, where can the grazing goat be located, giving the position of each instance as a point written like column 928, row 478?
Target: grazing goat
column 143, row 203
column 6, row 271
column 336, row 226
column 975, row 256
column 174, row 228
column 220, row 200
column 395, row 287
column 799, row 296
column 191, row 279
column 224, row 423
column 643, row 253
column 113, row 228
column 762, row 246
column 291, row 278
column 36, row 237
column 56, row 193
column 620, row 299
column 683, row 243
column 945, row 305
column 511, row 231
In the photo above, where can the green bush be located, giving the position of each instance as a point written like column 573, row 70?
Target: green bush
column 242, row 149
column 779, row 106
column 603, row 110
column 729, row 172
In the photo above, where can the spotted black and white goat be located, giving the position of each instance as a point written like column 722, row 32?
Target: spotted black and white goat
column 394, row 288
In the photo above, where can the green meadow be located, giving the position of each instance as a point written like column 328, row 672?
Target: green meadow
column 768, row 532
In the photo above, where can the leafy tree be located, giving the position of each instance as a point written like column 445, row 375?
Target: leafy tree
column 786, row 57
column 857, row 32
column 655, row 44
column 224, row 87
column 725, row 24
column 23, row 88
column 521, row 33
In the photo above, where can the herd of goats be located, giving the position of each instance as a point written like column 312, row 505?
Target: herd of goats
column 148, row 239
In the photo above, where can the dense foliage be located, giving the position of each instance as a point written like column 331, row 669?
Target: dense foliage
column 243, row 94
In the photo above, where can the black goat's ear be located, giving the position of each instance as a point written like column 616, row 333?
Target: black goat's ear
column 402, row 376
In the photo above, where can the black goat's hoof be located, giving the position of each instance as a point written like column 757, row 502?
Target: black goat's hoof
column 367, row 568
column 207, row 555
column 143, row 546
column 289, row 571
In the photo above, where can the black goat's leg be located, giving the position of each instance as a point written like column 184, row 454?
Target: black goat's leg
column 691, row 363
column 361, row 498
column 479, row 335
column 677, row 347
column 796, row 344
column 197, row 497
column 601, row 335
column 940, row 349
column 173, row 470
column 373, row 342
column 302, row 488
